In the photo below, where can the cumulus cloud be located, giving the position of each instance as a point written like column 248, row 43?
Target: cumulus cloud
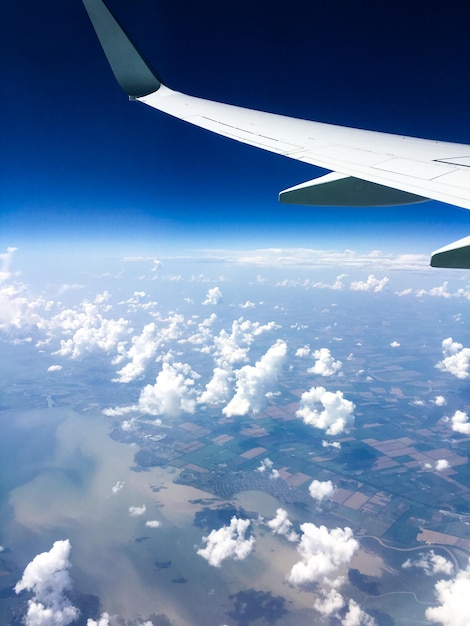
column 214, row 296
column 254, row 382
column 218, row 389
column 431, row 563
column 321, row 490
column 331, row 444
column 267, row 465
column 371, row 284
column 442, row 464
column 102, row 621
column 355, row 616
column 137, row 511
column 232, row 348
column 395, row 344
column 54, row 368
column 440, row 401
column 228, row 542
column 118, row 486
column 453, row 594
column 152, row 523
column 305, row 351
column 460, row 423
column 323, row 552
column 325, row 365
column 89, row 330
column 47, row 577
column 328, row 602
column 281, row 525
column 142, row 351
column 326, row 410
column 456, row 359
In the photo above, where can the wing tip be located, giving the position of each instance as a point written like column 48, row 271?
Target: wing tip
column 131, row 70
column 455, row 255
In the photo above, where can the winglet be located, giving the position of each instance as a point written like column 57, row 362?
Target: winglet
column 455, row 255
column 129, row 67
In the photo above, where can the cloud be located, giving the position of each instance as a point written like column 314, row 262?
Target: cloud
column 118, row 486
column 5, row 263
column 440, row 401
column 395, row 344
column 102, row 621
column 442, row 464
column 460, row 423
column 453, row 594
column 331, row 444
column 431, row 563
column 142, row 351
column 214, row 296
column 228, row 542
column 218, row 389
column 321, row 490
column 47, row 577
column 247, row 305
column 326, row 410
column 371, row 284
column 89, row 331
column 54, row 368
column 254, row 382
column 325, row 364
column 137, row 511
column 456, row 359
column 171, row 395
column 301, row 352
column 267, row 464
column 328, row 602
column 152, row 523
column 323, row 553
column 355, row 616
column 281, row 525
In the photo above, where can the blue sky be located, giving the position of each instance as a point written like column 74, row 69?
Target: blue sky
column 81, row 163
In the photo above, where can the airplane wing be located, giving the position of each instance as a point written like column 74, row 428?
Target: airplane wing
column 368, row 168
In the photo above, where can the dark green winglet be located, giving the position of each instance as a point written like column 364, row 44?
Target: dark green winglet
column 129, row 67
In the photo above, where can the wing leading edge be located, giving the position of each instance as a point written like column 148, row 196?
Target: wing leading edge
column 368, row 168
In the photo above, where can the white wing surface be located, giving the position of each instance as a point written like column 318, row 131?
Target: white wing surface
column 368, row 168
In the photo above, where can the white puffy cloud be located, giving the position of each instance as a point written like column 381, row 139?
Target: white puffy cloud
column 214, row 296
column 152, row 523
column 321, row 490
column 118, row 486
column 395, row 344
column 281, row 525
column 54, row 368
column 323, row 552
column 5, row 263
column 247, row 305
column 137, row 511
column 327, row 410
column 440, row 401
column 171, row 395
column 102, row 621
column 440, row 291
column 442, row 464
column 328, row 602
column 325, row 365
column 431, row 563
column 231, row 349
column 331, row 444
column 47, row 577
column 267, row 465
column 142, row 351
column 228, row 542
column 218, row 389
column 254, row 382
column 456, row 359
column 301, row 352
column 371, row 284
column 460, row 423
column 355, row 616
column 454, row 607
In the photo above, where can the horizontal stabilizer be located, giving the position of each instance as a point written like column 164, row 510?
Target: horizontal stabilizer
column 129, row 67
column 338, row 190
column 455, row 255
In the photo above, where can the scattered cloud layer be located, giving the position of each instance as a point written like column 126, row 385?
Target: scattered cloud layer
column 453, row 595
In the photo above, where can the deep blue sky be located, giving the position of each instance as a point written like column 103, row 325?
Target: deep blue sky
column 80, row 161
